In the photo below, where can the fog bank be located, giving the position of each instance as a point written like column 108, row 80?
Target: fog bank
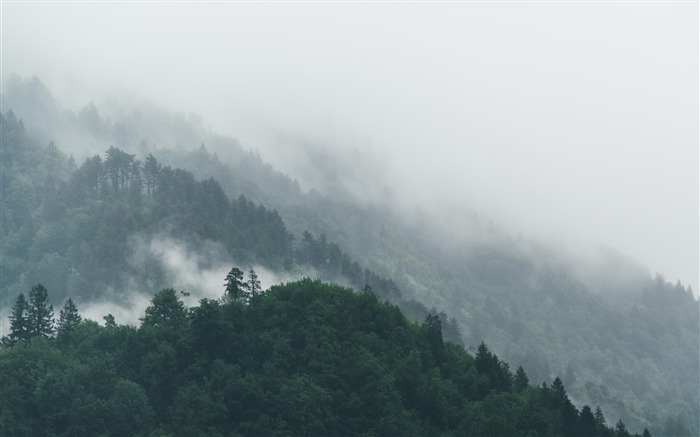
column 567, row 120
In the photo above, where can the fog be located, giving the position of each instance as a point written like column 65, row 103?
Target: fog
column 197, row 270
column 565, row 121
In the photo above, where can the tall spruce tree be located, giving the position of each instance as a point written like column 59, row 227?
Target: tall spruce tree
column 69, row 318
column 600, row 420
column 587, row 425
column 40, row 317
column 19, row 324
column 521, row 380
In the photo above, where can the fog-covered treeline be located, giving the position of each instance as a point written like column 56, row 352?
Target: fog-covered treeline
column 304, row 358
column 625, row 341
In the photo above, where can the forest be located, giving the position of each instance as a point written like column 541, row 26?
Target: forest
column 302, row 358
column 628, row 346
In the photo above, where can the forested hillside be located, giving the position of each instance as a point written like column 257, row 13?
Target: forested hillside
column 305, row 358
column 625, row 341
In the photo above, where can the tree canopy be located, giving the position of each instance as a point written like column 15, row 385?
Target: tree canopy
column 303, row 358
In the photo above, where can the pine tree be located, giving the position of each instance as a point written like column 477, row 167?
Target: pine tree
column 558, row 392
column 600, row 420
column 586, row 424
column 236, row 288
column 254, row 287
column 19, row 324
column 483, row 359
column 40, row 313
column 69, row 318
column 521, row 380
column 621, row 429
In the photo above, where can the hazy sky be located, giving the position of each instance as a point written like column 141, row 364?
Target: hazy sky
column 575, row 120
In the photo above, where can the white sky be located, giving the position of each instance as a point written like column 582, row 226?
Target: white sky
column 575, row 120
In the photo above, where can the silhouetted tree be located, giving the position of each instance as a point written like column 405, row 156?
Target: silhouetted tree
column 587, row 424
column 600, row 420
column 69, row 318
column 621, row 430
column 236, row 288
column 254, row 287
column 109, row 321
column 40, row 313
column 166, row 310
column 19, row 324
column 521, row 380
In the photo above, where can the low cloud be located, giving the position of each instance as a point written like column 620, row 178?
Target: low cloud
column 198, row 269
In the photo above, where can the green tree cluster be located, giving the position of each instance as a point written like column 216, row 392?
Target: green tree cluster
column 71, row 234
column 303, row 358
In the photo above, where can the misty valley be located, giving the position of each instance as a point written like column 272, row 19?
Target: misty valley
column 160, row 279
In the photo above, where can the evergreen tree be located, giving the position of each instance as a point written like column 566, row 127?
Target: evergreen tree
column 236, row 288
column 432, row 331
column 166, row 310
column 587, row 424
column 40, row 313
column 254, row 287
column 483, row 359
column 109, row 321
column 599, row 419
column 69, row 318
column 621, row 430
column 521, row 380
column 151, row 168
column 558, row 392
column 19, row 324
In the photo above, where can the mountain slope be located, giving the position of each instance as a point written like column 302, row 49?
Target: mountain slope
column 304, row 358
column 625, row 341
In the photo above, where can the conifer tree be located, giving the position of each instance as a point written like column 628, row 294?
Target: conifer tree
column 236, row 288
column 521, row 380
column 558, row 392
column 621, row 429
column 599, row 419
column 69, row 318
column 586, row 424
column 166, row 310
column 483, row 359
column 254, row 287
column 19, row 324
column 40, row 313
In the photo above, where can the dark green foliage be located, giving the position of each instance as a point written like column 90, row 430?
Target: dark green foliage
column 69, row 318
column 587, row 424
column 68, row 229
column 40, row 318
column 520, row 381
column 237, row 290
column 253, row 284
column 621, row 430
column 495, row 371
column 166, row 310
column 304, row 358
column 19, row 323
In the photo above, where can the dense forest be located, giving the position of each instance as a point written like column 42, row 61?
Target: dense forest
column 304, row 358
column 625, row 341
